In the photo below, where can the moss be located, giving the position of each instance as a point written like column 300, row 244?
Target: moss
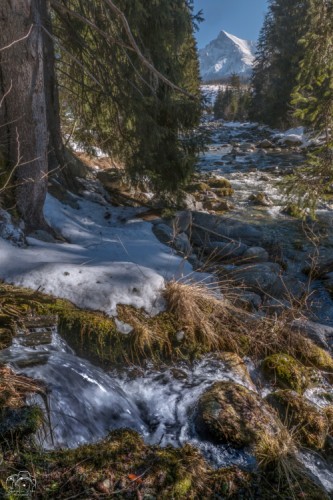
column 315, row 356
column 197, row 186
column 328, row 412
column 309, row 427
column 219, row 183
column 286, row 372
column 294, row 211
column 230, row 413
column 227, row 191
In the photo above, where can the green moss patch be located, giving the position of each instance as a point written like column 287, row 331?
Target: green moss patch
column 286, row 372
column 308, row 425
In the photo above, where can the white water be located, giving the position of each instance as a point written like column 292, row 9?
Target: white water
column 85, row 403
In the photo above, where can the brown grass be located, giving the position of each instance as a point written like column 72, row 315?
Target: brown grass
column 204, row 317
column 14, row 388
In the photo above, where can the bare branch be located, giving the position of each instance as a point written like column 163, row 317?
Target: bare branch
column 18, row 40
column 6, row 93
column 74, row 58
column 137, row 49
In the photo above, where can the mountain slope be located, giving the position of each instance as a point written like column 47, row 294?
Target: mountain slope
column 226, row 55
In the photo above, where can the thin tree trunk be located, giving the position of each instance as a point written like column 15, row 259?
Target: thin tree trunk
column 23, row 67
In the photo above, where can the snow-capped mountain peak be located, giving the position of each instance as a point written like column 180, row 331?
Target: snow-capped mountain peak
column 225, row 55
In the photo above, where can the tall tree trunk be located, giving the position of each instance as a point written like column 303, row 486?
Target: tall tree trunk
column 23, row 68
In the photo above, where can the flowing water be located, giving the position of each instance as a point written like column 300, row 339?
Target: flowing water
column 85, row 402
column 233, row 155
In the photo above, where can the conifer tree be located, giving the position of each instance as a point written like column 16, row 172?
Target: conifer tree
column 134, row 118
column 313, row 101
column 277, row 60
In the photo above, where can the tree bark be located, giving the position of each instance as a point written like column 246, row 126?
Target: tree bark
column 23, row 68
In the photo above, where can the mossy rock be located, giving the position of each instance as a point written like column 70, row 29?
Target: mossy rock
column 197, row 187
column 294, row 211
column 227, row 191
column 315, row 357
column 328, row 412
column 219, row 183
column 16, row 423
column 230, row 413
column 308, row 425
column 234, row 364
column 286, row 372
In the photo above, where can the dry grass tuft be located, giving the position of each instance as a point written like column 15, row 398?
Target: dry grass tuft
column 275, row 450
column 14, row 388
column 205, row 318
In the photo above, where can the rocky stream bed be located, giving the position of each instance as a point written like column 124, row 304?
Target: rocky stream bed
column 246, row 415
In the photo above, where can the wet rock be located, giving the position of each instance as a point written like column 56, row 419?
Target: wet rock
column 190, row 203
column 234, row 364
column 261, row 199
column 322, row 335
column 308, row 425
column 183, row 221
column 226, row 251
column 167, row 235
column 259, row 278
column 256, row 254
column 286, row 372
column 207, row 227
column 219, row 182
column 266, row 144
column 230, row 413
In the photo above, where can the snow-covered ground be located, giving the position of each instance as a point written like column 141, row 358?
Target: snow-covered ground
column 112, row 257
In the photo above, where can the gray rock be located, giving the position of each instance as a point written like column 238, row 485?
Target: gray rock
column 261, row 199
column 259, row 278
column 190, row 203
column 164, row 233
column 322, row 335
column 226, row 250
column 182, row 221
column 266, row 144
column 256, row 254
column 208, row 227
column 182, row 244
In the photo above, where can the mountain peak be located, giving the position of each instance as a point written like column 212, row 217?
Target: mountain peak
column 225, row 55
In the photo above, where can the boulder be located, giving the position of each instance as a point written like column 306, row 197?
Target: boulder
column 261, row 199
column 182, row 221
column 237, row 368
column 218, row 228
column 286, row 372
column 259, row 278
column 308, row 425
column 230, row 413
column 322, row 335
column 256, row 254
column 266, row 144
column 226, row 250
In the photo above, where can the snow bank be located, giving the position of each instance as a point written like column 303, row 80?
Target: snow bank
column 100, row 287
column 112, row 257
column 292, row 136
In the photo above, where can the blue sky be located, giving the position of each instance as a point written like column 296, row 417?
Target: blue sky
column 242, row 18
